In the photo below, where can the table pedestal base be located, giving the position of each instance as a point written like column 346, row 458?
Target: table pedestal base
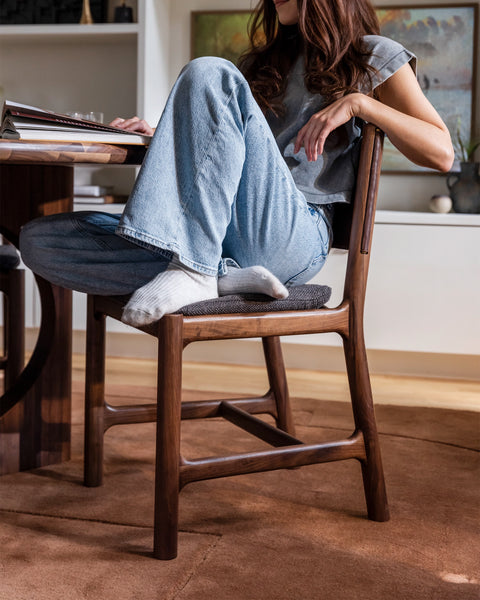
column 36, row 431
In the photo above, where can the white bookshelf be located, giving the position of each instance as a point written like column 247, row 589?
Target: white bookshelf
column 116, row 68
column 68, row 33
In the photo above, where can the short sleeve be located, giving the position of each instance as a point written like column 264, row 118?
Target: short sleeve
column 387, row 56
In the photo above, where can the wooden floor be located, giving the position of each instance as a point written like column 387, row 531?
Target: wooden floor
column 406, row 391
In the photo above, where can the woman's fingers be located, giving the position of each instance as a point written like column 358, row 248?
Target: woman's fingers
column 133, row 124
column 117, row 122
column 313, row 141
column 312, row 136
column 138, row 126
column 124, row 123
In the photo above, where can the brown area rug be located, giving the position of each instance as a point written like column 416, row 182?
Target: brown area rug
column 286, row 535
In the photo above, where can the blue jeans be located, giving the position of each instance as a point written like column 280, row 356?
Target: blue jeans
column 213, row 189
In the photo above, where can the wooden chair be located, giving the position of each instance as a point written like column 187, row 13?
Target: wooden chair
column 12, row 287
column 267, row 320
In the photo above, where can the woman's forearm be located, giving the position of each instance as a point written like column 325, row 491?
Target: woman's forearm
column 424, row 143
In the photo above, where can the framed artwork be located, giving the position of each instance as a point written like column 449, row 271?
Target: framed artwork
column 219, row 33
column 444, row 38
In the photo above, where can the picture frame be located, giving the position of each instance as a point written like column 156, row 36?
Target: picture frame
column 230, row 36
column 444, row 39
column 442, row 36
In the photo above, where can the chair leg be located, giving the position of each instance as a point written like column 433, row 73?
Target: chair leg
column 278, row 382
column 167, row 468
column 94, row 396
column 364, row 415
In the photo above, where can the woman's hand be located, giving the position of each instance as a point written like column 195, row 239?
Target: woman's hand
column 312, row 136
column 134, row 124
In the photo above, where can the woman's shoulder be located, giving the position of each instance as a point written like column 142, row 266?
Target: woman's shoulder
column 383, row 48
column 387, row 55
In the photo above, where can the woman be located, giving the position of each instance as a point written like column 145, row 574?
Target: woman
column 238, row 187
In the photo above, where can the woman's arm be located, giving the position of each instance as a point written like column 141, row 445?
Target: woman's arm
column 402, row 112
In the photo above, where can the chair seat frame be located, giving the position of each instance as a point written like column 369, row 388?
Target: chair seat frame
column 174, row 332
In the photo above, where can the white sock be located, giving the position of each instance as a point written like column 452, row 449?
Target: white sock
column 255, row 279
column 167, row 292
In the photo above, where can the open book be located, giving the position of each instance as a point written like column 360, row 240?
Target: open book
column 22, row 122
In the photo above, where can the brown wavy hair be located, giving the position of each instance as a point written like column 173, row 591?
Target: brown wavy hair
column 329, row 35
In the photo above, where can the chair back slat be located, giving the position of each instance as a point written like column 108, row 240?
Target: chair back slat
column 363, row 216
column 371, row 201
column 367, row 183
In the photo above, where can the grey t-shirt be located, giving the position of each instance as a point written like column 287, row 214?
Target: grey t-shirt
column 331, row 178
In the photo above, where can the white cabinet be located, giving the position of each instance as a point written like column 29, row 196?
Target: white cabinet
column 423, row 288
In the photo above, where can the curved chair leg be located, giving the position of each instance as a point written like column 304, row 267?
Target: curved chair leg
column 277, row 378
column 94, row 397
column 364, row 415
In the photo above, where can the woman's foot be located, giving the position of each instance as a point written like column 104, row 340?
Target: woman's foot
column 167, row 292
column 255, row 279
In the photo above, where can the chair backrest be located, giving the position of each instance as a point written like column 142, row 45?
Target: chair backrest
column 366, row 182
column 353, row 223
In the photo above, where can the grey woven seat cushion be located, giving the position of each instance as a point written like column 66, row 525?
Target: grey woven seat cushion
column 301, row 297
column 9, row 258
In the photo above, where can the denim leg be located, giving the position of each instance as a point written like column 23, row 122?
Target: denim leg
column 215, row 187
column 81, row 251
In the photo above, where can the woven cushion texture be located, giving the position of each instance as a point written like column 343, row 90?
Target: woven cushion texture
column 301, row 297
column 9, row 258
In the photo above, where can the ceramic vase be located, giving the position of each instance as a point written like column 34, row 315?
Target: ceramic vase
column 465, row 188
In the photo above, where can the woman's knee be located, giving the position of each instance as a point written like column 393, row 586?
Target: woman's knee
column 45, row 240
column 204, row 65
column 35, row 236
column 203, row 70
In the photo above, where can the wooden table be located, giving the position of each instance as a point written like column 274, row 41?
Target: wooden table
column 36, row 179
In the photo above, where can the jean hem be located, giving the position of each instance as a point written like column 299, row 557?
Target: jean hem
column 165, row 249
column 224, row 264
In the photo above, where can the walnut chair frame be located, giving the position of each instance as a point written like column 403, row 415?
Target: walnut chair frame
column 353, row 229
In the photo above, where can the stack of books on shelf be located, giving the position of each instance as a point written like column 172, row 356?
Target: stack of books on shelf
column 96, row 194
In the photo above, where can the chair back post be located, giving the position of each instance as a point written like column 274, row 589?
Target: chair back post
column 363, row 216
